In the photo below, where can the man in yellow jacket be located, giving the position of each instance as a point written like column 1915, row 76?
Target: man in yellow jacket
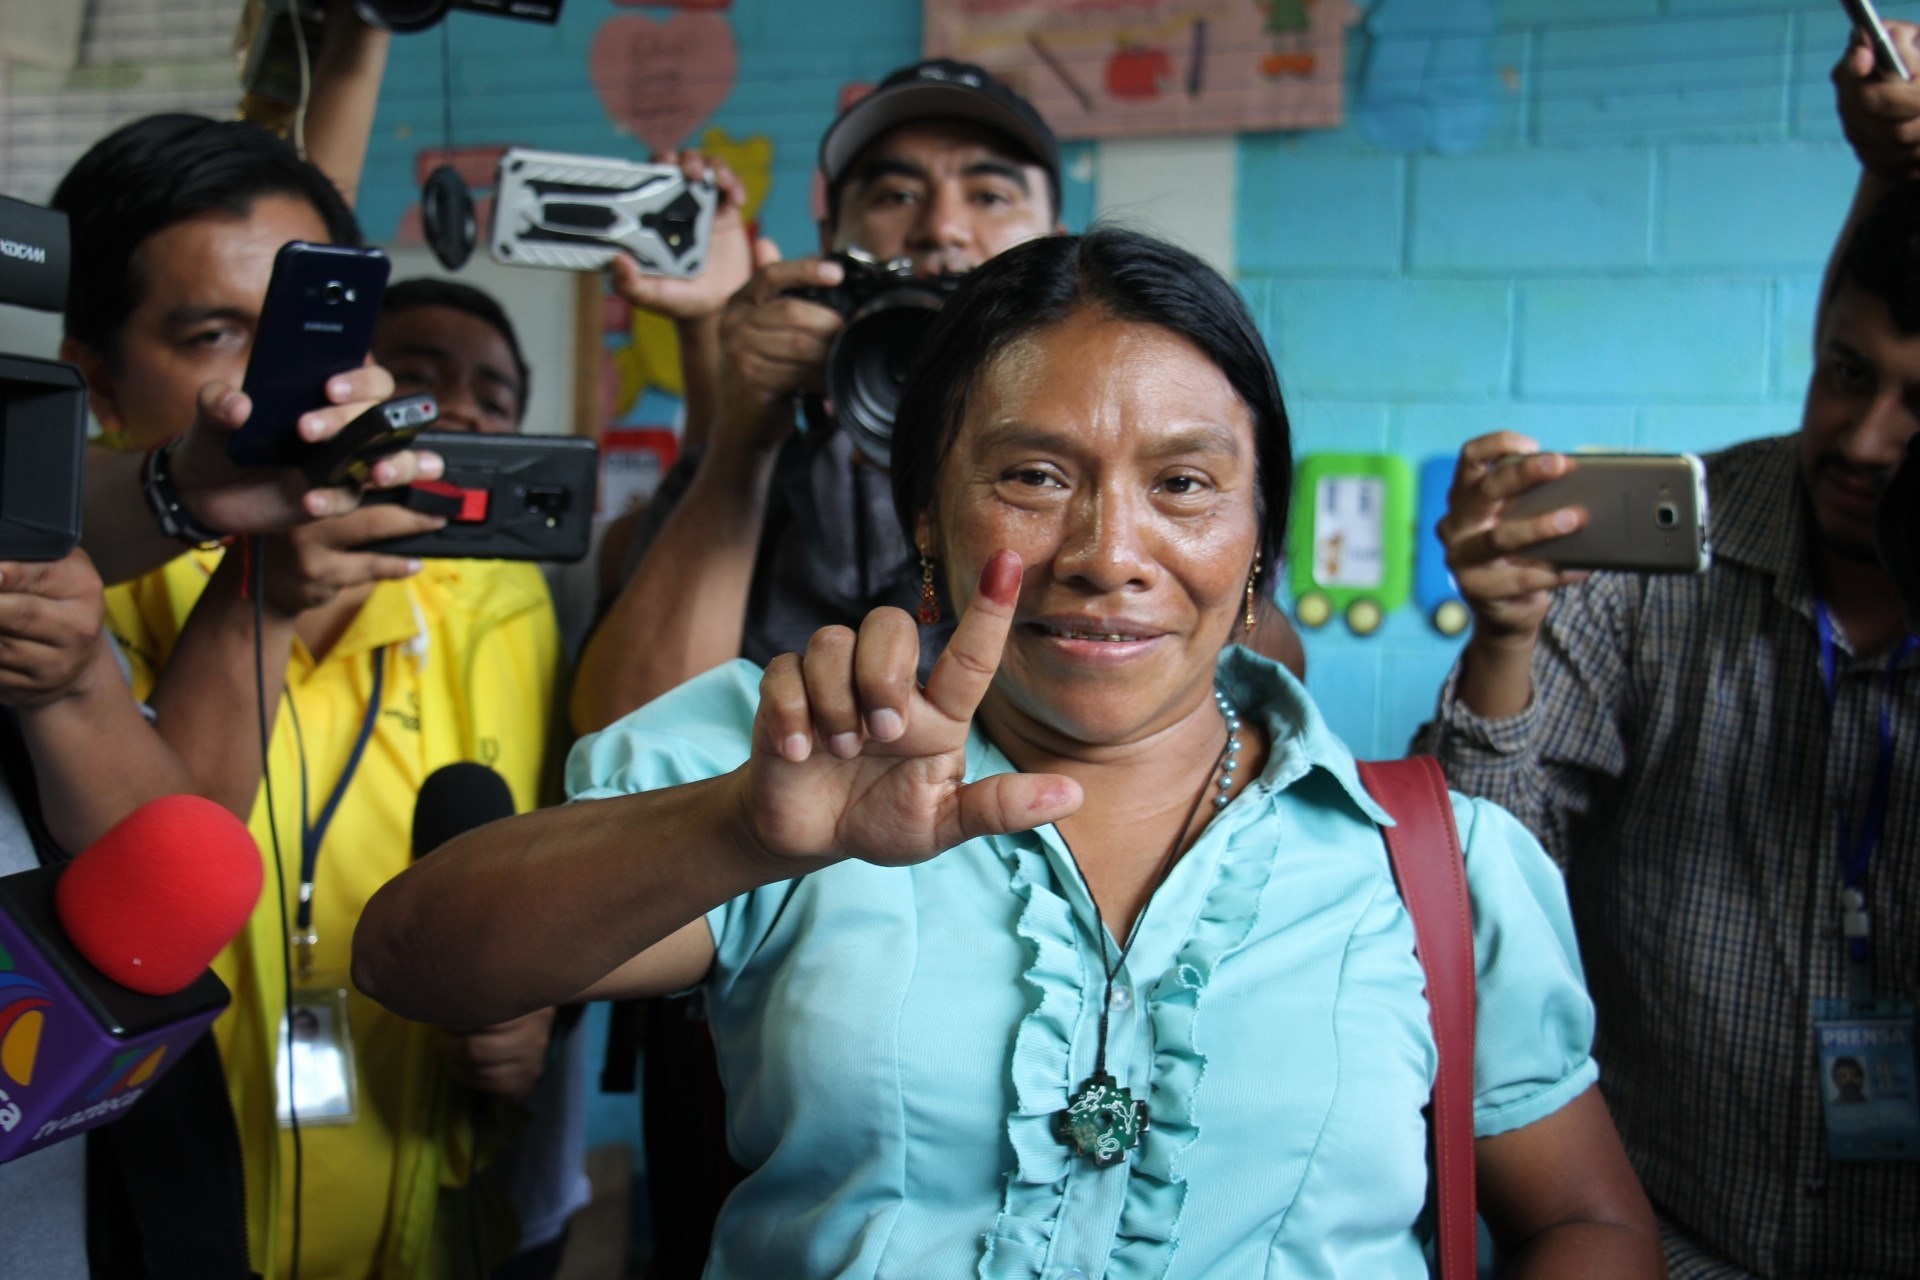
column 392, row 669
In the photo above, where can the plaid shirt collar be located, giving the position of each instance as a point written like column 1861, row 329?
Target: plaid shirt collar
column 1760, row 521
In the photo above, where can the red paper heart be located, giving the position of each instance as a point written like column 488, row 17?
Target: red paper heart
column 663, row 79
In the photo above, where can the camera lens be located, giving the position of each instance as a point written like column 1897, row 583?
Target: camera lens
column 1666, row 516
column 334, row 291
column 867, row 369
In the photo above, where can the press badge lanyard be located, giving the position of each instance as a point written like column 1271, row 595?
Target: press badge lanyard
column 313, row 831
column 1856, row 847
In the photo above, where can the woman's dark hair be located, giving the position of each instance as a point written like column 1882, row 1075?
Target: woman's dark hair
column 1126, row 275
column 1883, row 256
column 428, row 292
column 148, row 175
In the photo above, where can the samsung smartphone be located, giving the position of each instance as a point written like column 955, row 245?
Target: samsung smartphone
column 1885, row 57
column 317, row 321
column 1645, row 511
column 506, row 497
column 581, row 212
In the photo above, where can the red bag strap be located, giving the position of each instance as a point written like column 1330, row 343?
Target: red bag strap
column 1424, row 848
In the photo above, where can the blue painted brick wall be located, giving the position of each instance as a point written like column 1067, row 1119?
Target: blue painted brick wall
column 1623, row 250
column 1627, row 256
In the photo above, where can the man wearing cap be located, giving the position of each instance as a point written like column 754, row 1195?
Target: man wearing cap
column 767, row 535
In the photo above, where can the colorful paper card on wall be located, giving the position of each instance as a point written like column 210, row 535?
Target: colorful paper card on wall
column 1352, row 537
column 1433, row 586
column 1104, row 70
column 632, row 461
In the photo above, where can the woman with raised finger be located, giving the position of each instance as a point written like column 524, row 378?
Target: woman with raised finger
column 1102, row 860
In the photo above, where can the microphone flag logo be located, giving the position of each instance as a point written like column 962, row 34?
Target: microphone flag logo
column 21, row 1020
column 128, row 1070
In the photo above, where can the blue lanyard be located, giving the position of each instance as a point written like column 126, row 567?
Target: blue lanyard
column 313, row 831
column 1857, row 846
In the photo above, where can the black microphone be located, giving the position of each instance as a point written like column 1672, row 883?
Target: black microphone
column 455, row 799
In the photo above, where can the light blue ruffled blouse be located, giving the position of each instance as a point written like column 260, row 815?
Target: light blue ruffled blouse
column 896, row 1043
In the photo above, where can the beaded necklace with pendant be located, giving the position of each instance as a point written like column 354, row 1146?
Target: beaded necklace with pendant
column 1103, row 1120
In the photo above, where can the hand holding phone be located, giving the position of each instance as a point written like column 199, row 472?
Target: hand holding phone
column 308, row 567
column 316, row 322
column 504, row 497
column 1886, row 58
column 1507, row 506
column 1644, row 512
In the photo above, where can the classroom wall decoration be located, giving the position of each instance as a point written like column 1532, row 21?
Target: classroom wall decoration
column 1352, row 538
column 1434, row 591
column 662, row 77
column 1139, row 67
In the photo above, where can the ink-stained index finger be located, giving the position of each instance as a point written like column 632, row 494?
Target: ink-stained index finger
column 960, row 678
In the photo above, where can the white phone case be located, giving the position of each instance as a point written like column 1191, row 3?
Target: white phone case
column 577, row 212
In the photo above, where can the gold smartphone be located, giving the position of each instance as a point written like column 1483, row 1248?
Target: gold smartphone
column 1646, row 512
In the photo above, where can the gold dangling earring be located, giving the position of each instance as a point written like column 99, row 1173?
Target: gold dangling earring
column 1248, row 622
column 929, row 601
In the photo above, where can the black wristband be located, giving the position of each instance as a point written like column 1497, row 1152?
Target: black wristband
column 163, row 499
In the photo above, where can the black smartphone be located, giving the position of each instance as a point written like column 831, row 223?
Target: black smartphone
column 506, row 497
column 348, row 457
column 1885, row 57
column 317, row 321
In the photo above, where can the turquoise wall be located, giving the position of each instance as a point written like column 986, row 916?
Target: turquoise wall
column 1600, row 222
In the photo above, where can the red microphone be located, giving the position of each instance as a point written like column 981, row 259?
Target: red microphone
column 152, row 902
column 103, row 965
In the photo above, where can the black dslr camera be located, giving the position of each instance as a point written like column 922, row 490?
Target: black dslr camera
column 43, row 403
column 889, row 311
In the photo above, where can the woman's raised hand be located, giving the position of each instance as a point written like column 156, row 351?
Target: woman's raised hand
column 850, row 759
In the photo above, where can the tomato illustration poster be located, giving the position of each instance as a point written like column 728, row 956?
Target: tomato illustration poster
column 1124, row 68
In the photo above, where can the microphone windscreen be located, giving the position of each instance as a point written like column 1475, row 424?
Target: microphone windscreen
column 454, row 800
column 150, row 903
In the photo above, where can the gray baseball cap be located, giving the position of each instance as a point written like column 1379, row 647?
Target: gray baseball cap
column 939, row 89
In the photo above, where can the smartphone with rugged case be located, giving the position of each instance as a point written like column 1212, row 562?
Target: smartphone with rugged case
column 1886, row 58
column 317, row 321
column 580, row 212
column 506, row 497
column 1645, row 511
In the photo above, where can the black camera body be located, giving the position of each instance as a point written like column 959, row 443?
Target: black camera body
column 889, row 311
column 270, row 66
column 43, row 403
column 418, row 15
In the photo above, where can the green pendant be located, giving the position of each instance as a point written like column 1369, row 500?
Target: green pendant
column 1102, row 1121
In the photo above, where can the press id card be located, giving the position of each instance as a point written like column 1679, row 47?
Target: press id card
column 1867, row 1079
column 315, row 1060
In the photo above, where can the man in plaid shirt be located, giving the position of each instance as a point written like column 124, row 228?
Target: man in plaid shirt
column 1722, row 763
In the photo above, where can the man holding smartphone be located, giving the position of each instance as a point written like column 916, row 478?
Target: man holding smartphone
column 1723, row 764
column 391, row 669
column 763, row 536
